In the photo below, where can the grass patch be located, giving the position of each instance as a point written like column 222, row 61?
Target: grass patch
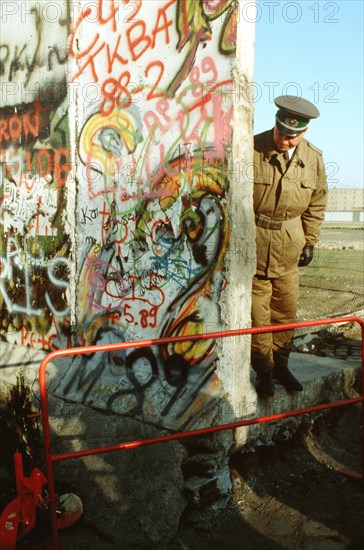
column 342, row 269
column 332, row 284
column 329, row 258
column 335, row 263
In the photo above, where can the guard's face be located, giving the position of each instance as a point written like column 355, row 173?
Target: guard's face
column 283, row 142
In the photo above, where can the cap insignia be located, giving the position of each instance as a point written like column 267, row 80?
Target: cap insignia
column 291, row 122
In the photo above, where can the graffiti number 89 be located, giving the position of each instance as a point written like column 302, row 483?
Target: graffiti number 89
column 147, row 318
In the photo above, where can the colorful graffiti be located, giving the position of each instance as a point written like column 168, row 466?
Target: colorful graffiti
column 169, row 284
column 119, row 37
column 154, row 153
column 35, row 163
column 144, row 203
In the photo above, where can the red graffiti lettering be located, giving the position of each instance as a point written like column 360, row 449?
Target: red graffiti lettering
column 162, row 108
column 152, row 123
column 140, row 43
column 87, row 15
column 46, row 342
column 41, row 163
column 15, row 128
column 166, row 23
column 136, row 37
column 113, row 90
column 153, row 94
column 4, row 134
column 115, row 55
column 44, row 161
column 23, row 125
column 62, row 165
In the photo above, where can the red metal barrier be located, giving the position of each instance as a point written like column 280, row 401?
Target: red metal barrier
column 50, row 458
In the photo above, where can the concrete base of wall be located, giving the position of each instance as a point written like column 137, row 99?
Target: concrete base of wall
column 324, row 380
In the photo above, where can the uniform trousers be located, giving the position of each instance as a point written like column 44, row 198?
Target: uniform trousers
column 274, row 301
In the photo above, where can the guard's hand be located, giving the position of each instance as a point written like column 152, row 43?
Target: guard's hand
column 306, row 255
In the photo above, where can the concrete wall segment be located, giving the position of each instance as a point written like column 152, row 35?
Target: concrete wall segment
column 33, row 50
column 125, row 213
column 240, row 259
column 35, row 163
column 153, row 150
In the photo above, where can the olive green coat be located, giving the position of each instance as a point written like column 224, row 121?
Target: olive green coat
column 297, row 193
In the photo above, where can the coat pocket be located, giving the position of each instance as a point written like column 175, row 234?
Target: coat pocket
column 308, row 184
column 296, row 238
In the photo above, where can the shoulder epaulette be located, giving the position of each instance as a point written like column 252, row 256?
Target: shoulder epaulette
column 259, row 137
column 312, row 146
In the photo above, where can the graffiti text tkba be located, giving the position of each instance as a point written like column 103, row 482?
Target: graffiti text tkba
column 98, row 53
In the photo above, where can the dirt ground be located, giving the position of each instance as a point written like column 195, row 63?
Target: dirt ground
column 293, row 496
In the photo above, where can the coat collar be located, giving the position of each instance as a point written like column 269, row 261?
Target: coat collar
column 300, row 153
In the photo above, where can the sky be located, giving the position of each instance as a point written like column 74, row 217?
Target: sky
column 314, row 49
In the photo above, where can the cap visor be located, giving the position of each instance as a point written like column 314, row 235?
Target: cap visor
column 287, row 132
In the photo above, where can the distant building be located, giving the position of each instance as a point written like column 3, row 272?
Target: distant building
column 345, row 204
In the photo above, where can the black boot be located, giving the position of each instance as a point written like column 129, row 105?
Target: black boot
column 286, row 378
column 265, row 384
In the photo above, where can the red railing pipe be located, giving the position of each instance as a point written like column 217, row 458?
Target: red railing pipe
column 202, row 431
column 50, row 458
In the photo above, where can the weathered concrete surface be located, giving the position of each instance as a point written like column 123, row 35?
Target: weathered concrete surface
column 134, row 496
column 16, row 361
column 146, row 489
column 141, row 489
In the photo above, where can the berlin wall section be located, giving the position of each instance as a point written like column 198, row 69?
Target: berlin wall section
column 35, row 165
column 127, row 215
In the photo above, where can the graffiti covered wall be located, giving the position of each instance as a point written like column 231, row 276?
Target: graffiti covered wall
column 115, row 213
column 35, row 160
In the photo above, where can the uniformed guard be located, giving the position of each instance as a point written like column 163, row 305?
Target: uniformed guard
column 290, row 194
